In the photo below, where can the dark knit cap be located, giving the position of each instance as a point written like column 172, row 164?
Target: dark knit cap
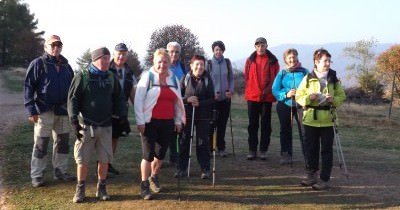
column 121, row 47
column 260, row 40
column 99, row 52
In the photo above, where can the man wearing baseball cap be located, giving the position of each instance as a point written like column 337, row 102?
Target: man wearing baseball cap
column 93, row 98
column 128, row 82
column 45, row 92
column 260, row 70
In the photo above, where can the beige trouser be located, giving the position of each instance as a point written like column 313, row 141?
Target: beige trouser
column 58, row 127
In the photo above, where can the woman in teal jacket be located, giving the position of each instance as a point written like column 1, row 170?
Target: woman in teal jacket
column 320, row 93
column 284, row 90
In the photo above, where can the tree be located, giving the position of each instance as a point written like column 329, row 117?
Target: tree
column 388, row 64
column 133, row 61
column 84, row 61
column 161, row 37
column 19, row 43
column 364, row 65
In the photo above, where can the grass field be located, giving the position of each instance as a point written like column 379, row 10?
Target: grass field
column 371, row 151
column 370, row 142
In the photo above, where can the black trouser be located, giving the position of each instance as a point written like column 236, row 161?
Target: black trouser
column 202, row 145
column 316, row 138
column 223, row 109
column 256, row 110
column 286, row 134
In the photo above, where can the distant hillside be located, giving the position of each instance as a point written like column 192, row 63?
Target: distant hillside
column 306, row 57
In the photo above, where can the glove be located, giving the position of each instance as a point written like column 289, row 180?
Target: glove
column 77, row 127
column 124, row 123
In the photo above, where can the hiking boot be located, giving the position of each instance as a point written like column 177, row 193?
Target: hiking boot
column 154, row 184
column 285, row 159
column 222, row 153
column 252, row 155
column 58, row 175
column 112, row 170
column 102, row 191
column 263, row 155
column 321, row 185
column 310, row 179
column 180, row 173
column 37, row 182
column 79, row 193
column 145, row 190
column 205, row 174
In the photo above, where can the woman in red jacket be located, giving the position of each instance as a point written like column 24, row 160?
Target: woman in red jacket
column 260, row 71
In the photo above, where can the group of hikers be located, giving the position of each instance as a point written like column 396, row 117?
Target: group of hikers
column 170, row 102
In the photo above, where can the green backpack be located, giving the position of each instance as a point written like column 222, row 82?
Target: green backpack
column 85, row 78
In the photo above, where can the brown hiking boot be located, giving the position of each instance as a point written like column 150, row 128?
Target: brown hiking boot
column 145, row 190
column 285, row 159
column 154, row 184
column 321, row 185
column 79, row 194
column 252, row 155
column 102, row 191
column 310, row 179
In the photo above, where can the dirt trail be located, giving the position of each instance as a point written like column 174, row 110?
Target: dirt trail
column 11, row 112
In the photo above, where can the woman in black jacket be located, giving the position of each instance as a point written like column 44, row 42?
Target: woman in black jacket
column 198, row 92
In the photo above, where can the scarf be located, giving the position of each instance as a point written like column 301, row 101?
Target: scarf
column 219, row 60
column 94, row 70
column 322, row 77
column 298, row 65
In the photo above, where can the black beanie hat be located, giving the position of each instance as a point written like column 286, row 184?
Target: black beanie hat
column 98, row 53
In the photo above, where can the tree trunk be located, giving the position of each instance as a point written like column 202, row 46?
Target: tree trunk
column 391, row 97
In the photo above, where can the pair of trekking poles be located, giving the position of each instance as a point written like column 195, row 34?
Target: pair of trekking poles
column 337, row 140
column 190, row 153
column 214, row 145
column 339, row 149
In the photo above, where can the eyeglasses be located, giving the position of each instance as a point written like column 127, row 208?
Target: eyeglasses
column 56, row 44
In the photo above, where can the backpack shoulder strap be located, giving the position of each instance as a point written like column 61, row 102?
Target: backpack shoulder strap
column 111, row 78
column 209, row 63
column 151, row 81
column 85, row 78
column 230, row 73
column 186, row 80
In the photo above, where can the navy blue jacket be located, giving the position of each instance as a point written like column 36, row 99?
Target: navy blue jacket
column 45, row 88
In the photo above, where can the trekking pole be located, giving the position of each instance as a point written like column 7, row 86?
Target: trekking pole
column 230, row 122
column 214, row 146
column 179, row 177
column 339, row 149
column 291, row 115
column 191, row 141
column 291, row 102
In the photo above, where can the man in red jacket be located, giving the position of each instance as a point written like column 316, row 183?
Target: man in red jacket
column 260, row 71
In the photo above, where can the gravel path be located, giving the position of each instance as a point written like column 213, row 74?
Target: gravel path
column 12, row 111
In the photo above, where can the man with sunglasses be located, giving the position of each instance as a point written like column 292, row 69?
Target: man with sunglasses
column 46, row 87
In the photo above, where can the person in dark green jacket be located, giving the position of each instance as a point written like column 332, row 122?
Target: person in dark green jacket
column 320, row 93
column 93, row 99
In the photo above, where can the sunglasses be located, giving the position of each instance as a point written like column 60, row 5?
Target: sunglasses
column 56, row 44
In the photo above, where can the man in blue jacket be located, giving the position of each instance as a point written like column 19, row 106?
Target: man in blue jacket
column 46, row 87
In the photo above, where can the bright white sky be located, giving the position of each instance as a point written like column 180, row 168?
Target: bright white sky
column 84, row 24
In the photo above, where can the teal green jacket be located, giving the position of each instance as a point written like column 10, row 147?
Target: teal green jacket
column 319, row 115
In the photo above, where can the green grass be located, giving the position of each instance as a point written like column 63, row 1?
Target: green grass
column 13, row 80
column 370, row 148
